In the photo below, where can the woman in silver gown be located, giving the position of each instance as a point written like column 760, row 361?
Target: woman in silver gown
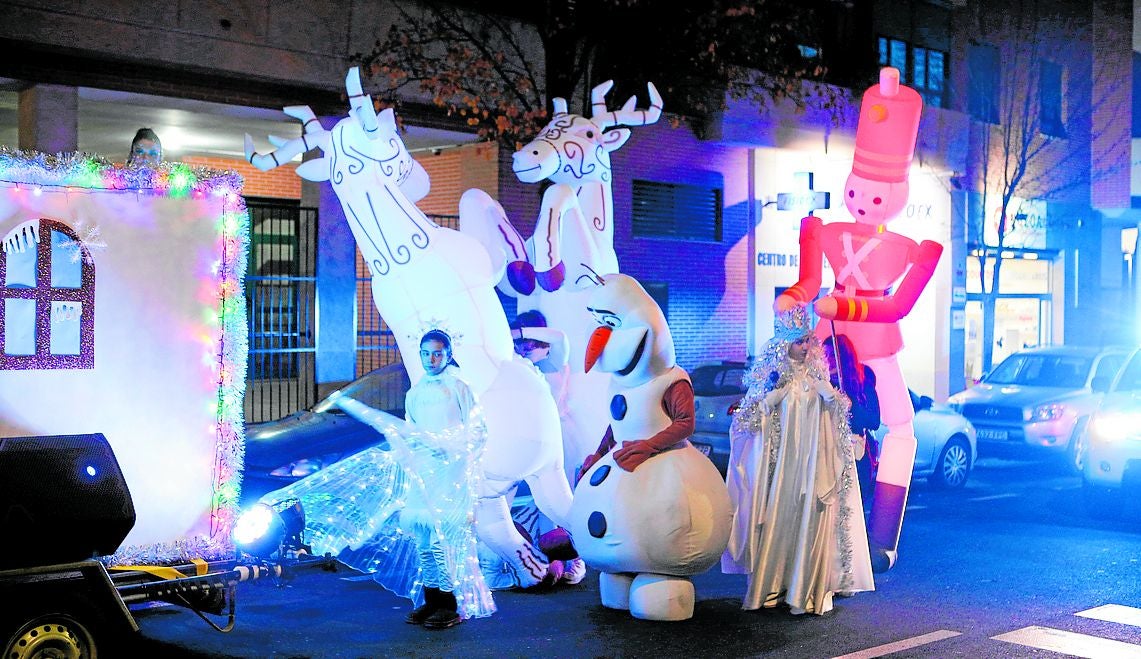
column 798, row 527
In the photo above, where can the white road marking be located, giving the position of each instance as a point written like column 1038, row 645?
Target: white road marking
column 1008, row 495
column 905, row 644
column 917, row 507
column 1126, row 615
column 1072, row 643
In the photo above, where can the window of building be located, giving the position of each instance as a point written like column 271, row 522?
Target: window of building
column 1136, row 95
column 922, row 68
column 659, row 292
column 1050, row 99
column 47, row 320
column 281, row 286
column 672, row 210
column 983, row 91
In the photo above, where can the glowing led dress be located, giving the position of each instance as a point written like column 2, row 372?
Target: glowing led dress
column 383, row 508
column 798, row 527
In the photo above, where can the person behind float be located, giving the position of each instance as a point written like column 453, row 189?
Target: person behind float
column 798, row 531
column 146, row 149
column 548, row 349
column 858, row 382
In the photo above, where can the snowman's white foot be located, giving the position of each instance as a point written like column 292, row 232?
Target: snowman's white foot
column 661, row 597
column 614, row 590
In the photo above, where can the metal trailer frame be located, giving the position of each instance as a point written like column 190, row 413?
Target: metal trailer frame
column 82, row 607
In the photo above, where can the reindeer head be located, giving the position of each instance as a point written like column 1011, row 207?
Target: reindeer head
column 573, row 149
column 360, row 144
column 366, row 139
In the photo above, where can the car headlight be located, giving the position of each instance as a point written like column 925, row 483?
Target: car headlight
column 300, row 468
column 1116, row 426
column 955, row 403
column 1048, row 412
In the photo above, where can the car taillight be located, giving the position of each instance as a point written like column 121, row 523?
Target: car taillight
column 733, row 408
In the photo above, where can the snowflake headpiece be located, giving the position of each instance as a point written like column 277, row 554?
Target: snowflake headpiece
column 438, row 325
column 792, row 324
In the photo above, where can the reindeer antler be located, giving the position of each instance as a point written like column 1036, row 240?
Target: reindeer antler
column 628, row 115
column 313, row 136
column 361, row 103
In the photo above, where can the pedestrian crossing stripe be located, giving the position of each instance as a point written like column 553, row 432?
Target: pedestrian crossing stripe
column 1125, row 615
column 1071, row 643
column 898, row 646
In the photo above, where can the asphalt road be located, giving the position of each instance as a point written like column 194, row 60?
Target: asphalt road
column 1011, row 566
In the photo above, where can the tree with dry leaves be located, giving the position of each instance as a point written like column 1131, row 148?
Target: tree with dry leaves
column 1037, row 108
column 498, row 71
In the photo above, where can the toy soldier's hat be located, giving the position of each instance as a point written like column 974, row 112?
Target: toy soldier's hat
column 887, row 129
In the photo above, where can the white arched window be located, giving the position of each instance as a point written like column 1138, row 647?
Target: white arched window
column 47, row 316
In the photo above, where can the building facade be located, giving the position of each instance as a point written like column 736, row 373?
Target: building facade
column 728, row 245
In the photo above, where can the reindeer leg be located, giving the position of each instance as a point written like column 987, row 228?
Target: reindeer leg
column 496, row 529
column 552, row 280
column 484, row 219
column 558, row 202
column 521, row 276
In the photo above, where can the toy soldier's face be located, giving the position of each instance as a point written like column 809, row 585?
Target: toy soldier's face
column 874, row 202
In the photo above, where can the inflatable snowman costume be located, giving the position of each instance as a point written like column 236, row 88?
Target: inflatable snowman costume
column 653, row 511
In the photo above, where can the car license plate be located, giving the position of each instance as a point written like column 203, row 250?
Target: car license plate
column 704, row 448
column 999, row 435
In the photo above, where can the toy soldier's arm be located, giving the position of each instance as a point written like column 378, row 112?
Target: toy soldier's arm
column 806, row 288
column 892, row 307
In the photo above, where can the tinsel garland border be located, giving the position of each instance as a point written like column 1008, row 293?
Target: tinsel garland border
column 79, row 170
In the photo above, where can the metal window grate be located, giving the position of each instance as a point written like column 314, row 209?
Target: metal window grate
column 281, row 290
column 672, row 210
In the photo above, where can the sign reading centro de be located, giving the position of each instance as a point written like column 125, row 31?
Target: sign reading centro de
column 778, row 259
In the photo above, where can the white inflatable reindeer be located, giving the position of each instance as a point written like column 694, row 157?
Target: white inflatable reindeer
column 573, row 242
column 424, row 275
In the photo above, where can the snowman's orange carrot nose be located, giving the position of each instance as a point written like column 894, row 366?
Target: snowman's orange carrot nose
column 597, row 342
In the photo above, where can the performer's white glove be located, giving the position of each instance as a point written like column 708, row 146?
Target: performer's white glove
column 774, row 397
column 825, row 390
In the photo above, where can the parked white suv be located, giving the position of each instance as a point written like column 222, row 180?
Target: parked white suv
column 1041, row 397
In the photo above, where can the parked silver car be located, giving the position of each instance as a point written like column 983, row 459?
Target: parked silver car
column 1113, row 461
column 717, row 391
column 1042, row 398
column 946, row 444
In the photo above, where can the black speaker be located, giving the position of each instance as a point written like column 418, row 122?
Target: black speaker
column 62, row 499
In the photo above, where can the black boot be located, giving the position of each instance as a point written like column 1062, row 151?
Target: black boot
column 431, row 603
column 446, row 615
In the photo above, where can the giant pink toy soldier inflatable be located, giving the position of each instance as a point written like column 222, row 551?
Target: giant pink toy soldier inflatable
column 867, row 261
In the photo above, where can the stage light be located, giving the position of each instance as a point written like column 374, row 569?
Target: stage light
column 265, row 530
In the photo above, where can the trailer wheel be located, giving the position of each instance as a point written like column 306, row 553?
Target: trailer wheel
column 51, row 636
